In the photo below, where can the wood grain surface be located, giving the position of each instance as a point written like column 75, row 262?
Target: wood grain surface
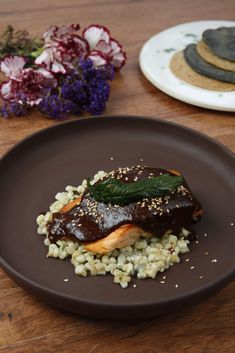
column 29, row 325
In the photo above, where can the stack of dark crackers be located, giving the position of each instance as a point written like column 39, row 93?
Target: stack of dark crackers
column 209, row 64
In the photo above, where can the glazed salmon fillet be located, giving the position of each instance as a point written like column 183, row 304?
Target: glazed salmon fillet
column 103, row 226
column 125, row 235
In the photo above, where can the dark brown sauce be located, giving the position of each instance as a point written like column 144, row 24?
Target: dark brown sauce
column 92, row 220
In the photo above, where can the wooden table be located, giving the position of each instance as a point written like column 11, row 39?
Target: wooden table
column 29, row 325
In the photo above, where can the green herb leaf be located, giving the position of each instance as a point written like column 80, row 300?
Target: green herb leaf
column 116, row 192
column 19, row 43
column 169, row 50
column 190, row 35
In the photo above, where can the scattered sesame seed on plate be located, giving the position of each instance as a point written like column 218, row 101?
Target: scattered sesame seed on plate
column 162, row 282
column 176, row 285
column 111, row 158
column 192, row 267
column 214, row 260
column 134, row 285
column 187, row 260
column 206, row 253
column 66, row 280
column 205, row 234
column 201, row 277
column 232, row 224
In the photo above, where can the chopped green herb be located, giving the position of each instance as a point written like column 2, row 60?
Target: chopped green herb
column 116, row 192
column 169, row 50
column 190, row 35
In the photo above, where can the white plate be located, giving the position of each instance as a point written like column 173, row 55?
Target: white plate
column 154, row 62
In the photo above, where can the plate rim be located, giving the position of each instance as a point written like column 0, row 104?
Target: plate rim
column 31, row 284
column 172, row 93
column 117, row 116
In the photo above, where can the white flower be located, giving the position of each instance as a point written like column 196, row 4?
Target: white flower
column 24, row 83
column 103, row 48
column 12, row 66
column 62, row 49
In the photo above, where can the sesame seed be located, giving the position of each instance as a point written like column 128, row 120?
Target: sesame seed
column 196, row 241
column 162, row 282
column 192, row 267
column 66, row 280
column 134, row 285
column 206, row 253
column 201, row 277
column 176, row 285
column 187, row 260
column 232, row 224
column 205, row 234
column 164, row 277
column 111, row 158
column 214, row 260
column 141, row 160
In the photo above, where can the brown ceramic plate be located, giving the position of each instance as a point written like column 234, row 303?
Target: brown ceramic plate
column 43, row 164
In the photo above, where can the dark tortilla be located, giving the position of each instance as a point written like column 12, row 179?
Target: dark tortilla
column 221, row 41
column 196, row 62
column 207, row 54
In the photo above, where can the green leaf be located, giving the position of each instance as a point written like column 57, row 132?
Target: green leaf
column 169, row 50
column 190, row 35
column 19, row 43
column 116, row 192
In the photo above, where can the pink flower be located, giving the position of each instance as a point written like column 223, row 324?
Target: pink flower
column 103, row 48
column 62, row 49
column 24, row 82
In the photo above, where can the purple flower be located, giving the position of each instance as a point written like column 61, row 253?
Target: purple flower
column 84, row 89
column 15, row 108
column 56, row 107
